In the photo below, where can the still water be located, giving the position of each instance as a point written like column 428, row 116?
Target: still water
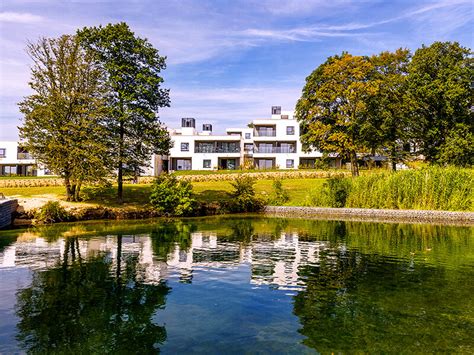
column 237, row 285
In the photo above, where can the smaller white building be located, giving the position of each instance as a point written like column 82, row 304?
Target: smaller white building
column 16, row 161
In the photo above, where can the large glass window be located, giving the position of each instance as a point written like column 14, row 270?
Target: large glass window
column 182, row 164
column 185, row 147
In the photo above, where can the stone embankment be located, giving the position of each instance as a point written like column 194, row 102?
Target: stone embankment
column 376, row 215
column 7, row 208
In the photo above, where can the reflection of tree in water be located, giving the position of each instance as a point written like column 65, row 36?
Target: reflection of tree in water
column 357, row 301
column 166, row 237
column 82, row 306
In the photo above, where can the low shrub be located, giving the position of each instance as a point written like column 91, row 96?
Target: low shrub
column 172, row 197
column 279, row 194
column 243, row 197
column 51, row 212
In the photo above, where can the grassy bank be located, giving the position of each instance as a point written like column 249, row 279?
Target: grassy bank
column 206, row 191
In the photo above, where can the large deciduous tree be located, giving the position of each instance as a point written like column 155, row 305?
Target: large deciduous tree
column 62, row 123
column 133, row 68
column 439, row 84
column 385, row 129
column 333, row 106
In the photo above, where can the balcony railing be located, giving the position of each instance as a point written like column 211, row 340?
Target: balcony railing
column 21, row 156
column 265, row 133
column 216, row 150
column 274, row 149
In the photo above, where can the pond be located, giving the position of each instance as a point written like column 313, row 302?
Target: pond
column 237, row 285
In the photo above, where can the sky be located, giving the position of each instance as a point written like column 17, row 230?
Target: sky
column 228, row 62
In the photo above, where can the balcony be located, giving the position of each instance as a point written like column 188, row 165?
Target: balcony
column 261, row 131
column 258, row 149
column 24, row 156
column 216, row 150
column 217, row 147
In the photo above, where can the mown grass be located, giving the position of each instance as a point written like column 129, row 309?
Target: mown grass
column 206, row 191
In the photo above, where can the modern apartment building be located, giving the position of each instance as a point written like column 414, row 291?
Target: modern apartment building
column 268, row 143
column 15, row 161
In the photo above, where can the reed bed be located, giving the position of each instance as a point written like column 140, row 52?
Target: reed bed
column 433, row 188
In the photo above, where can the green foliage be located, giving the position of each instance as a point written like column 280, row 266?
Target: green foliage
column 133, row 67
column 432, row 188
column 333, row 106
column 63, row 118
column 243, row 197
column 385, row 129
column 439, row 84
column 52, row 212
column 458, row 148
column 279, row 194
column 172, row 197
column 333, row 193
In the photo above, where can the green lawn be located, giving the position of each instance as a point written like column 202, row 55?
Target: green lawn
column 208, row 191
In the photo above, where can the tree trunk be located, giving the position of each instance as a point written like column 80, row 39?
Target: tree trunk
column 120, row 165
column 394, row 161
column 69, row 194
column 77, row 192
column 354, row 165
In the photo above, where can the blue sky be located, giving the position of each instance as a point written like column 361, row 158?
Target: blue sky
column 229, row 61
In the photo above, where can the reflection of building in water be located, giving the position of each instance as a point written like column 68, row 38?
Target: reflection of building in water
column 273, row 261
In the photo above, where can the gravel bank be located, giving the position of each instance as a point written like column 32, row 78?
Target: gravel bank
column 366, row 214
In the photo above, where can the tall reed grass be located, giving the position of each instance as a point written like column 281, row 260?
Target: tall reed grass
column 432, row 188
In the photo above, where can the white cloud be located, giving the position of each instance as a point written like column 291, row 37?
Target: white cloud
column 20, row 17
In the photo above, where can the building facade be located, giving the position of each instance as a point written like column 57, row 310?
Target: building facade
column 269, row 143
column 16, row 161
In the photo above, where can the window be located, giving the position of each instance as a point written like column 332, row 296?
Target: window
column 185, row 147
column 284, row 117
column 290, row 163
column 276, row 110
column 3, row 152
column 247, row 136
column 290, row 130
column 206, row 163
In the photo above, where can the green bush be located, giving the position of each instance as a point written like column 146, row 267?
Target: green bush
column 279, row 194
column 333, row 194
column 243, row 197
column 51, row 212
column 172, row 197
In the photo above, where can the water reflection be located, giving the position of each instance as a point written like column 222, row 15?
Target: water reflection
column 81, row 305
column 353, row 286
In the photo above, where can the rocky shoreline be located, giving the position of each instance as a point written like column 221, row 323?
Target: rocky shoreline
column 375, row 215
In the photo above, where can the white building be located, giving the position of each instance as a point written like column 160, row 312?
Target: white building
column 14, row 160
column 269, row 143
